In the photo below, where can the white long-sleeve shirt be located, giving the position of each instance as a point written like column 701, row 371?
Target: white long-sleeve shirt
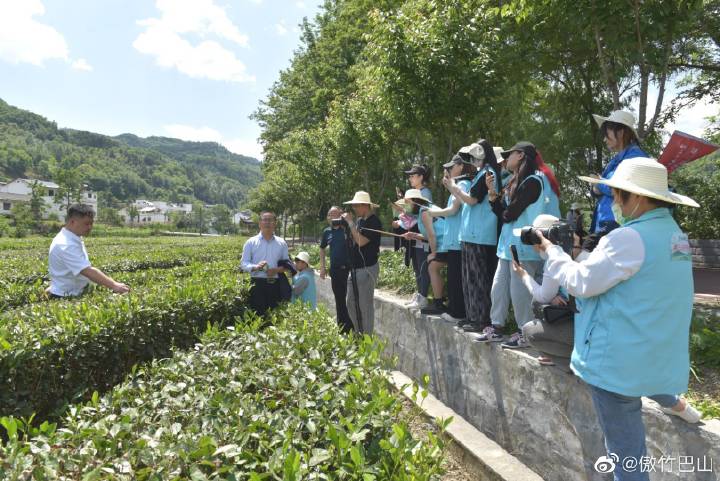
column 617, row 257
column 258, row 249
column 546, row 292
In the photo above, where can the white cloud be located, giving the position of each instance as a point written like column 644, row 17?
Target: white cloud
column 24, row 39
column 693, row 120
column 81, row 64
column 247, row 147
column 164, row 39
column 280, row 28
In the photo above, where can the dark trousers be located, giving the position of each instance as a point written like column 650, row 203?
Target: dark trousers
column 420, row 266
column 339, row 282
column 456, row 299
column 264, row 295
column 479, row 262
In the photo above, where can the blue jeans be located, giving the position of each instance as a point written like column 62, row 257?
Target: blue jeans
column 621, row 422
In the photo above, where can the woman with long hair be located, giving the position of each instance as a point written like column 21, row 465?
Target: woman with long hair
column 529, row 193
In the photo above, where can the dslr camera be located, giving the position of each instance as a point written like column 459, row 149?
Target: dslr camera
column 339, row 222
column 560, row 233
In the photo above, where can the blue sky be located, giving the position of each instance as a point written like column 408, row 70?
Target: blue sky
column 192, row 69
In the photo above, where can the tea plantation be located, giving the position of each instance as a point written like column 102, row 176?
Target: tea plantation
column 177, row 381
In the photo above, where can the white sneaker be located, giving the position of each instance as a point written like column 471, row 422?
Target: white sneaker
column 419, row 303
column 450, row 319
column 689, row 414
column 412, row 300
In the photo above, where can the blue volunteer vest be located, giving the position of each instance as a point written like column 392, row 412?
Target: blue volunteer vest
column 438, row 227
column 309, row 294
column 478, row 223
column 633, row 338
column 451, row 237
column 508, row 238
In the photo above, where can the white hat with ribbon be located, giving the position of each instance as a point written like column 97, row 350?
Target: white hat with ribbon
column 361, row 197
column 619, row 117
column 643, row 176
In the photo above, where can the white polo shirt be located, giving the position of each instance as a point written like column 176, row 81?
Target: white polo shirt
column 66, row 259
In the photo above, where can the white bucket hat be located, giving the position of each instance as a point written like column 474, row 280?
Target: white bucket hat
column 619, row 117
column 475, row 150
column 303, row 256
column 415, row 194
column 361, row 197
column 643, row 176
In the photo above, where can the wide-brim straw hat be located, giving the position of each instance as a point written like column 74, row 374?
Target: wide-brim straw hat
column 303, row 256
column 643, row 176
column 619, row 117
column 415, row 194
column 361, row 197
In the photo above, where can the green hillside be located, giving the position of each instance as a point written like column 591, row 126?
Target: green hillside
column 125, row 167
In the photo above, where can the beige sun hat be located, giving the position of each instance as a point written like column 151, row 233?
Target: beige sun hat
column 643, row 176
column 619, row 117
column 303, row 256
column 415, row 194
column 361, row 197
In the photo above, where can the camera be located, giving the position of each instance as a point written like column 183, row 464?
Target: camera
column 560, row 233
column 339, row 222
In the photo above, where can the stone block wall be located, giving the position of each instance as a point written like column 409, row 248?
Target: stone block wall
column 543, row 415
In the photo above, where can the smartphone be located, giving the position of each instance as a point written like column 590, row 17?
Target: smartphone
column 513, row 249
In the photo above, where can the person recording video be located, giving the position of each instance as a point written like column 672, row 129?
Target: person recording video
column 363, row 261
column 334, row 237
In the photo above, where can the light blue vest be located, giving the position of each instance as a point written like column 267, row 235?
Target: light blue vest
column 478, row 223
column 552, row 201
column 451, row 237
column 438, row 227
column 633, row 338
column 309, row 294
column 508, row 238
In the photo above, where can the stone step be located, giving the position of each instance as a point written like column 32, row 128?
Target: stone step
column 480, row 454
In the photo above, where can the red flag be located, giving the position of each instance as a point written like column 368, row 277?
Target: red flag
column 684, row 148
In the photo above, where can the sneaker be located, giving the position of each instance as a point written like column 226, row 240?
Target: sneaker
column 490, row 334
column 450, row 319
column 689, row 414
column 516, row 341
column 473, row 328
column 460, row 326
column 412, row 300
column 420, row 302
column 435, row 309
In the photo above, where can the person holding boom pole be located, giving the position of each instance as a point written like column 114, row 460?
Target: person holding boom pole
column 364, row 249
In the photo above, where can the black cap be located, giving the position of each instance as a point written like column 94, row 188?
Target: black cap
column 526, row 147
column 416, row 169
column 457, row 159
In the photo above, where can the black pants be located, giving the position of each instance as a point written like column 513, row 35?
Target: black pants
column 339, row 282
column 264, row 295
column 456, row 300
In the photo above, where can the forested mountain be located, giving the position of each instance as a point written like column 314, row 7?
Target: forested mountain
column 125, row 167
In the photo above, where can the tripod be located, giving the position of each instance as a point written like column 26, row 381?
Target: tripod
column 353, row 279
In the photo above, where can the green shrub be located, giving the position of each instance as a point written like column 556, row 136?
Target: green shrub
column 53, row 353
column 294, row 401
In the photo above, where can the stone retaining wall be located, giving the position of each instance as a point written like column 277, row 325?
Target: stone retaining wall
column 543, row 415
column 706, row 253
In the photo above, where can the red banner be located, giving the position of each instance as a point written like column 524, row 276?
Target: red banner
column 684, row 148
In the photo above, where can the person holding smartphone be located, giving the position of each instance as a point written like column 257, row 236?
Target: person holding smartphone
column 478, row 237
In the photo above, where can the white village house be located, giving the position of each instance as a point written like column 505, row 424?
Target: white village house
column 20, row 191
column 153, row 212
